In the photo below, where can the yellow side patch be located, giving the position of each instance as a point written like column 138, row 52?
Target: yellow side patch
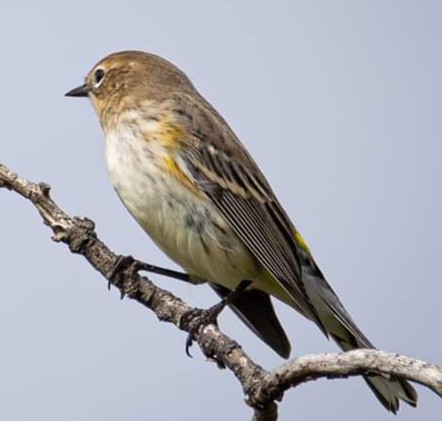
column 301, row 242
column 174, row 170
column 171, row 134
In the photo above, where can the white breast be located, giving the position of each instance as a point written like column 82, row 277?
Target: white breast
column 186, row 227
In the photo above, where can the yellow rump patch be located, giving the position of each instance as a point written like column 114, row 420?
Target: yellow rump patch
column 301, row 242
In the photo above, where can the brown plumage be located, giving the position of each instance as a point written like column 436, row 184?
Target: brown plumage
column 190, row 183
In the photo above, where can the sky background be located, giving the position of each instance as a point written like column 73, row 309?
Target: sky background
column 339, row 102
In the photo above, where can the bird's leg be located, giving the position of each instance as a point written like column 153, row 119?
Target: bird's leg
column 147, row 267
column 128, row 262
column 198, row 319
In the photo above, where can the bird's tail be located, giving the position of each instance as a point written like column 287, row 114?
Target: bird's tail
column 348, row 336
column 389, row 391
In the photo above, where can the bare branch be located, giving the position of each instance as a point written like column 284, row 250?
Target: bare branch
column 261, row 388
column 351, row 363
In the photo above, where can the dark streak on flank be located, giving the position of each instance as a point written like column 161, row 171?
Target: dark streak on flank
column 205, row 246
column 196, row 220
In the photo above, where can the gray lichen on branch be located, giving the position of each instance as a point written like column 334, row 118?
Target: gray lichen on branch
column 261, row 388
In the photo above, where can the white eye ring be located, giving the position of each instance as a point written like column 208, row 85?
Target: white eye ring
column 98, row 77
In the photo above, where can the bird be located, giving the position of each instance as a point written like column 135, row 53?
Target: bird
column 192, row 186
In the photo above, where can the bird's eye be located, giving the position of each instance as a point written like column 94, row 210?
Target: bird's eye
column 99, row 75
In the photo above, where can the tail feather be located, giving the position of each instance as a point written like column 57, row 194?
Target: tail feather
column 256, row 310
column 388, row 391
column 348, row 336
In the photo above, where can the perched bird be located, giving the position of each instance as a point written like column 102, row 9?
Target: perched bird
column 189, row 182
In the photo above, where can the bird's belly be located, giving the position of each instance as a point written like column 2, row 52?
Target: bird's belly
column 184, row 225
column 193, row 235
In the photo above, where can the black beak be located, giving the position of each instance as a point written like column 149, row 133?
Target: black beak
column 78, row 91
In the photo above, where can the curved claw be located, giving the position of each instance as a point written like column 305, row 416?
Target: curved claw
column 121, row 263
column 189, row 343
column 199, row 319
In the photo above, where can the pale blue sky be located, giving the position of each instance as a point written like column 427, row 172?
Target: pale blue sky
column 340, row 104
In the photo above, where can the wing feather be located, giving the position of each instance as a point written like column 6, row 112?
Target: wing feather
column 230, row 178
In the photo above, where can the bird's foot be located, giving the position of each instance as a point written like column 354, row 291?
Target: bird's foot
column 198, row 319
column 124, row 265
